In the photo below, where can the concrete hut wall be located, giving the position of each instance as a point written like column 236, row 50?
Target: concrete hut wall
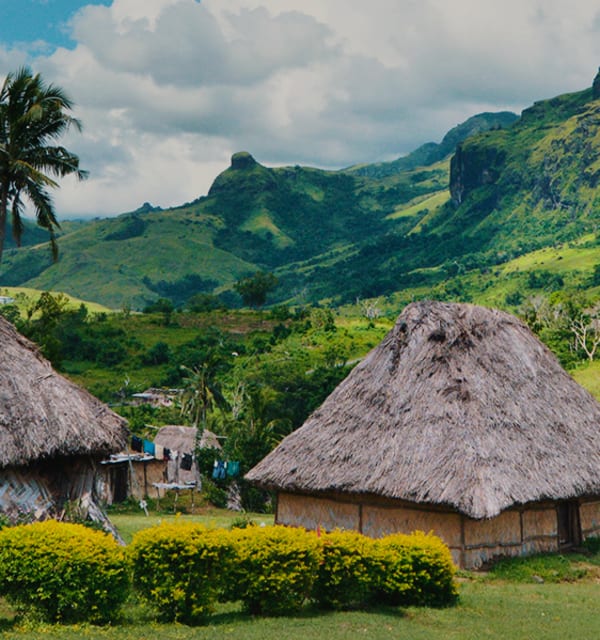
column 532, row 528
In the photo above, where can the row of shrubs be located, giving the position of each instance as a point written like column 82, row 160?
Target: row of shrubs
column 69, row 573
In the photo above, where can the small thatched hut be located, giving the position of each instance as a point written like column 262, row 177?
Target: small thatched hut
column 460, row 422
column 138, row 475
column 52, row 434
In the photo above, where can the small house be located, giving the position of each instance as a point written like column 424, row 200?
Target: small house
column 53, row 434
column 460, row 422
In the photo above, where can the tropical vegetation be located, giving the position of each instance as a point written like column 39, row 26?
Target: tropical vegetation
column 33, row 114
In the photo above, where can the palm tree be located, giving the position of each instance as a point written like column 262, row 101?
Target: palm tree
column 32, row 116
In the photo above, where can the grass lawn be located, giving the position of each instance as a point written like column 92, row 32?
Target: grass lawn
column 486, row 610
column 510, row 602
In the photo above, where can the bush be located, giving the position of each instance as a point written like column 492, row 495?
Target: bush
column 349, row 572
column 274, row 568
column 180, row 569
column 64, row 572
column 418, row 570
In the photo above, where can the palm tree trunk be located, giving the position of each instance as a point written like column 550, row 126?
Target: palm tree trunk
column 3, row 214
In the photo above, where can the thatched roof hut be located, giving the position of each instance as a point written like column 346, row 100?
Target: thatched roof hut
column 460, row 409
column 50, row 429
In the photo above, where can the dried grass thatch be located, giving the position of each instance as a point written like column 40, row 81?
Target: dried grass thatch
column 183, row 439
column 43, row 415
column 459, row 406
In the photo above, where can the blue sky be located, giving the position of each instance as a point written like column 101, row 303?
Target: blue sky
column 168, row 90
column 30, row 21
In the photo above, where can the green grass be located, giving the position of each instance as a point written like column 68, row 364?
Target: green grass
column 588, row 376
column 502, row 610
column 129, row 523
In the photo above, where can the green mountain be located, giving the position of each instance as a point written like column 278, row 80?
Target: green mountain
column 497, row 187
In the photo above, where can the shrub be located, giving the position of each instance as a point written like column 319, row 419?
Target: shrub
column 418, row 570
column 65, row 572
column 349, row 572
column 274, row 568
column 180, row 569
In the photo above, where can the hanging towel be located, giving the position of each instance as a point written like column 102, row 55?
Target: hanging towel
column 173, row 454
column 187, row 461
column 233, row 468
column 159, row 451
column 167, row 453
column 215, row 471
column 136, row 444
column 149, row 447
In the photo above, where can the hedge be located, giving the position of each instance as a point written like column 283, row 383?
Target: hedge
column 274, row 569
column 418, row 570
column 64, row 572
column 350, row 571
column 70, row 573
column 181, row 569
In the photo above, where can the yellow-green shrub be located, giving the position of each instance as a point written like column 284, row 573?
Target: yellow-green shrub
column 349, row 572
column 418, row 570
column 274, row 568
column 65, row 572
column 180, row 569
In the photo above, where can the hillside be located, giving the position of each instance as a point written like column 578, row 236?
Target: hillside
column 295, row 221
column 444, row 221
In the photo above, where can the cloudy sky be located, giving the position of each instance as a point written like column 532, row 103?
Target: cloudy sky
column 168, row 89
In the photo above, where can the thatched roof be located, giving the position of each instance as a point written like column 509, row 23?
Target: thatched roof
column 44, row 415
column 459, row 406
column 183, row 439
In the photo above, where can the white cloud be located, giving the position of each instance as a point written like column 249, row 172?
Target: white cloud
column 168, row 89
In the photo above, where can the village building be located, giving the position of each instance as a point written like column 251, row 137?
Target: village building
column 155, row 397
column 460, row 422
column 53, row 435
column 171, row 465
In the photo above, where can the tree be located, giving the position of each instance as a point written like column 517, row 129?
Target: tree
column 254, row 289
column 33, row 114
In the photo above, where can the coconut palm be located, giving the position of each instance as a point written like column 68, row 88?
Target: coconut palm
column 33, row 115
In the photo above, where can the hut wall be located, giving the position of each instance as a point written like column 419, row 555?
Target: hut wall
column 144, row 473
column 473, row 543
column 312, row 513
column 589, row 516
column 24, row 491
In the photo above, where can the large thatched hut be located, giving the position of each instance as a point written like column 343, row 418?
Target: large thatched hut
column 460, row 422
column 52, row 434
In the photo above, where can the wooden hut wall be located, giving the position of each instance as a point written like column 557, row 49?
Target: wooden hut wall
column 515, row 532
column 142, row 473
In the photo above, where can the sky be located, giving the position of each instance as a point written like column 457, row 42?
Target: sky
column 168, row 90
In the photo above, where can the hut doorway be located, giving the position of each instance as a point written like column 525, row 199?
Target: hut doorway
column 120, row 482
column 569, row 529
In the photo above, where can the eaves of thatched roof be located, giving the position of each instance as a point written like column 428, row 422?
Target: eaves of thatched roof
column 459, row 406
column 42, row 414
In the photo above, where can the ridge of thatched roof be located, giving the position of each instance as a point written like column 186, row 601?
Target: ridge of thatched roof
column 45, row 415
column 459, row 406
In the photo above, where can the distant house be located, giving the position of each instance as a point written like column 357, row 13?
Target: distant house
column 460, row 422
column 6, row 300
column 52, row 435
column 156, row 397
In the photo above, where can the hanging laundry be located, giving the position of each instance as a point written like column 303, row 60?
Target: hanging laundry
column 159, row 451
column 233, row 468
column 149, row 447
column 136, row 444
column 173, row 455
column 219, row 470
column 186, row 461
column 167, row 453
